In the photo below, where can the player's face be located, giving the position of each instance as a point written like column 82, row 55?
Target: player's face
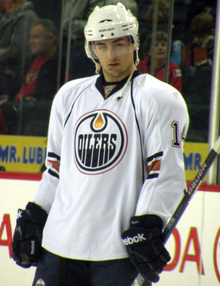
column 40, row 44
column 115, row 57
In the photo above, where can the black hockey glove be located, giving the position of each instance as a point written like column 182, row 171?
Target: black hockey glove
column 26, row 245
column 144, row 246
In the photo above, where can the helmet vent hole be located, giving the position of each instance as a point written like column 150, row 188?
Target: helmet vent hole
column 106, row 20
column 112, row 34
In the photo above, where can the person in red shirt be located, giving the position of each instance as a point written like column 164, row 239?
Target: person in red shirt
column 202, row 29
column 44, row 48
column 40, row 83
column 160, row 50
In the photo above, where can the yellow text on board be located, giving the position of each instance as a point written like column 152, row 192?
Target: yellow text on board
column 22, row 153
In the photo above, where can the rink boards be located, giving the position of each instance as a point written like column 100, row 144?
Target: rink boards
column 194, row 245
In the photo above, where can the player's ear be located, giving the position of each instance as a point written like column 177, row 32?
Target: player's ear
column 134, row 47
column 131, row 41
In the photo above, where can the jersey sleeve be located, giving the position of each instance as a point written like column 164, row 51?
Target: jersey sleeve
column 45, row 192
column 164, row 122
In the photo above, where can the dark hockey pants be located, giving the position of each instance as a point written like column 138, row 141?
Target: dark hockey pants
column 53, row 270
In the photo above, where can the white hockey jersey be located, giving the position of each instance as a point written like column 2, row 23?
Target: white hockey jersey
column 108, row 160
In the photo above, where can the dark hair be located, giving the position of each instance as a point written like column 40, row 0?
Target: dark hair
column 160, row 36
column 50, row 29
column 202, row 24
column 163, row 12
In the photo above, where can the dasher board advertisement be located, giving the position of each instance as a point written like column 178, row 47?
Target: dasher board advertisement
column 194, row 245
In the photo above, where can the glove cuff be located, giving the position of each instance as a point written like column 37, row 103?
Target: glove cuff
column 146, row 221
column 36, row 213
column 32, row 213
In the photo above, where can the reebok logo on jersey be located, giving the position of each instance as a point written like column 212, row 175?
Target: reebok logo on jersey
column 135, row 239
column 100, row 142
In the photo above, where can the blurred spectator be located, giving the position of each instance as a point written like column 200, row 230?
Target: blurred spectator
column 160, row 51
column 14, row 37
column 146, row 11
column 41, row 80
column 202, row 29
column 162, row 17
column 198, row 7
column 146, row 25
column 199, row 51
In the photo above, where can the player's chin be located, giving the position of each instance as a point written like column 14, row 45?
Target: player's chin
column 116, row 74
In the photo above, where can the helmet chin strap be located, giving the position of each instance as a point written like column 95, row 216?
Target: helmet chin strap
column 125, row 85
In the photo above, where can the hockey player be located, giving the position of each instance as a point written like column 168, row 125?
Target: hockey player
column 114, row 168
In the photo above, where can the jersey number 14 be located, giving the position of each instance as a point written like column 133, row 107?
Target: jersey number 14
column 178, row 137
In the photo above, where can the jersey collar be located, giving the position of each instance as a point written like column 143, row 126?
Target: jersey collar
column 101, row 81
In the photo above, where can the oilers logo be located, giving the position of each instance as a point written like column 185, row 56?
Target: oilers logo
column 100, row 142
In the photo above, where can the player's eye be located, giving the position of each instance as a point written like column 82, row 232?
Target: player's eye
column 118, row 45
column 102, row 47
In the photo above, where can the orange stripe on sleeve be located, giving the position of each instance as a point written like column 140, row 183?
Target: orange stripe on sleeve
column 154, row 166
column 55, row 165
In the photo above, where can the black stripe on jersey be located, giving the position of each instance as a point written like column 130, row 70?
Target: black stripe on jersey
column 152, row 176
column 153, row 163
column 151, row 158
column 139, row 131
column 52, row 173
column 53, row 155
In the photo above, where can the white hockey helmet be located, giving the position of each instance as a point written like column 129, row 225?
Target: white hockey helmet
column 109, row 22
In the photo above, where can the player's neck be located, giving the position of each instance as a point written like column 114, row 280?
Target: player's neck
column 111, row 78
